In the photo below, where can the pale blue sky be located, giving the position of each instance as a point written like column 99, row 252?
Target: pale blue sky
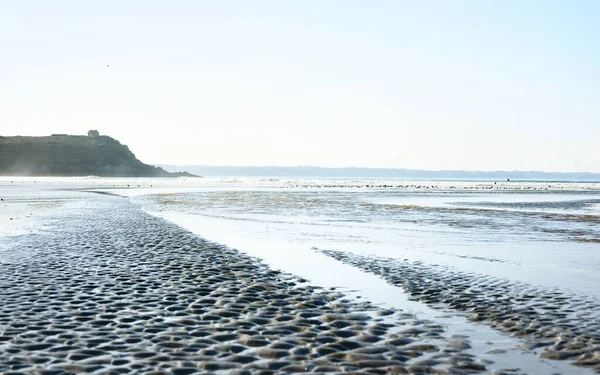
column 422, row 84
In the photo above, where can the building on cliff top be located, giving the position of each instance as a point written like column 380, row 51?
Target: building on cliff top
column 93, row 133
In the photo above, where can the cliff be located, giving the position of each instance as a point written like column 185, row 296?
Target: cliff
column 72, row 155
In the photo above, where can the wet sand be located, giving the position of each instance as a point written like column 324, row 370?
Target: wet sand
column 107, row 288
column 557, row 325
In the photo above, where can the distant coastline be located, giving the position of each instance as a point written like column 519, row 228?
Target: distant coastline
column 382, row 173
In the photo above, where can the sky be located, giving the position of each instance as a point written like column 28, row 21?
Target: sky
column 447, row 84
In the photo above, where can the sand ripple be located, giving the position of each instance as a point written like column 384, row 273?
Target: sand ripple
column 113, row 290
column 563, row 326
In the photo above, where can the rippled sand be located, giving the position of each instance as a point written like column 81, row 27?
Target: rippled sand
column 112, row 289
column 564, row 326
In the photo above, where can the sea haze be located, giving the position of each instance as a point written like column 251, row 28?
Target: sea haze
column 379, row 173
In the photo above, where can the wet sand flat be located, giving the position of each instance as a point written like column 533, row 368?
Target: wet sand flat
column 107, row 288
column 558, row 325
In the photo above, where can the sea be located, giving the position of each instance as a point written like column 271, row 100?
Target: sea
column 541, row 233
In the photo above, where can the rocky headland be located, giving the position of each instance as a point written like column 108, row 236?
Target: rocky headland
column 73, row 155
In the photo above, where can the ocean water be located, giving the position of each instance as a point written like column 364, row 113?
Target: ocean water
column 546, row 239
column 545, row 234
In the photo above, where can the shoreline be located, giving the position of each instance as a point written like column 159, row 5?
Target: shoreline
column 152, row 184
column 102, row 249
column 502, row 348
column 117, row 289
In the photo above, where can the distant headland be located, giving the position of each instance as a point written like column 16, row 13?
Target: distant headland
column 73, row 155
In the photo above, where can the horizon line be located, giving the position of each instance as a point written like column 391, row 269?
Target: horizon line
column 376, row 168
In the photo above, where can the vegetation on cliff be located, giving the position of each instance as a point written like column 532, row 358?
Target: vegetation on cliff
column 72, row 155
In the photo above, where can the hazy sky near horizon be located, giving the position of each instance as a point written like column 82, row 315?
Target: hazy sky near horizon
column 481, row 84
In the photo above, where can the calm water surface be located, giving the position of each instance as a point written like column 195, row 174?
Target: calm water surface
column 549, row 239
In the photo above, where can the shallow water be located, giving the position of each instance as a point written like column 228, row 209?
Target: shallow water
column 518, row 230
column 541, row 241
column 547, row 239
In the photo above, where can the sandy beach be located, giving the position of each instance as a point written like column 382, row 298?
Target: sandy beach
column 110, row 288
column 94, row 284
column 560, row 326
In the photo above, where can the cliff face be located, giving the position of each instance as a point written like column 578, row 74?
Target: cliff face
column 70, row 155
